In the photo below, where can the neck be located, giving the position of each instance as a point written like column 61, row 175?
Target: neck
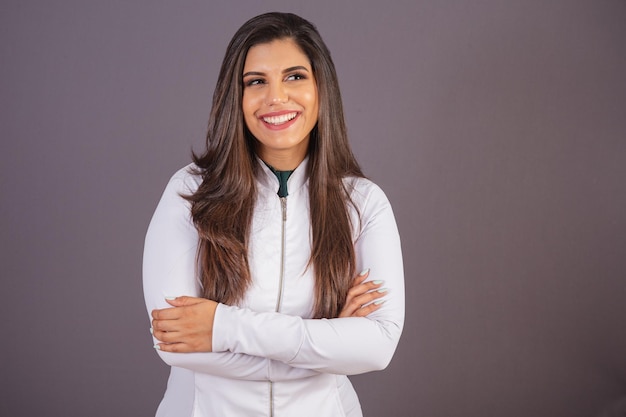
column 282, row 163
column 283, row 159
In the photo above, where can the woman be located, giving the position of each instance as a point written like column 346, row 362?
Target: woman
column 251, row 255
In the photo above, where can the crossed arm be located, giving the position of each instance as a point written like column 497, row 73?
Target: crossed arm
column 188, row 325
column 204, row 336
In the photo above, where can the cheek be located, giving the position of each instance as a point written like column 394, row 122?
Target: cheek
column 248, row 108
column 245, row 105
column 312, row 99
column 314, row 105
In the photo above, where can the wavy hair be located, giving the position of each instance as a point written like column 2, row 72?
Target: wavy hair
column 222, row 207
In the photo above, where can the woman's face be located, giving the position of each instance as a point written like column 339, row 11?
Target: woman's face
column 280, row 103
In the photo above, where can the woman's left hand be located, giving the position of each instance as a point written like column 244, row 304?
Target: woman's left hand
column 364, row 297
column 186, row 327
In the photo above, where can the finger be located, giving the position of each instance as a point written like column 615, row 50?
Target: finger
column 176, row 343
column 173, row 347
column 167, row 337
column 183, row 301
column 368, row 309
column 355, row 304
column 166, row 325
column 166, row 314
column 364, row 287
column 362, row 276
column 360, row 295
column 368, row 297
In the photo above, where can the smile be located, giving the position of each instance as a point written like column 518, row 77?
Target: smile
column 280, row 119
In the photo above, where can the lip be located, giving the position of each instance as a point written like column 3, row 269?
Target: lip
column 281, row 126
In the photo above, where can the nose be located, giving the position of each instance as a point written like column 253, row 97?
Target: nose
column 276, row 94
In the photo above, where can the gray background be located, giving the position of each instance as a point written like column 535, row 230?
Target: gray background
column 497, row 129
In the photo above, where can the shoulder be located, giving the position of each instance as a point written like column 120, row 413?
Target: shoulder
column 172, row 216
column 364, row 192
column 370, row 207
column 185, row 181
column 369, row 203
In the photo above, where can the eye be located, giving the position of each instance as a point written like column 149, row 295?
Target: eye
column 295, row 76
column 253, row 81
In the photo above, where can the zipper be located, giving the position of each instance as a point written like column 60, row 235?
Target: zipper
column 281, row 278
column 271, row 399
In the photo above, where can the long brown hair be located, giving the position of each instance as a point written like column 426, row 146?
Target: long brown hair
column 222, row 207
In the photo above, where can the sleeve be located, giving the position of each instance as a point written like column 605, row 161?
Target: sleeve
column 169, row 270
column 342, row 345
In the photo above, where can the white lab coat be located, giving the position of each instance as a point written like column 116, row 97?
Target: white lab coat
column 267, row 362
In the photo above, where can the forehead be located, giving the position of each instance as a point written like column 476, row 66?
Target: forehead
column 277, row 54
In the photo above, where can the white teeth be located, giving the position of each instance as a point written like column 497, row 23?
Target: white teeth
column 279, row 120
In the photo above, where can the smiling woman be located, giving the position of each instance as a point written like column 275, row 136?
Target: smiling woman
column 251, row 258
column 280, row 102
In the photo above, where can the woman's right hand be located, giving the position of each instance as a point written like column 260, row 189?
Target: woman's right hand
column 364, row 297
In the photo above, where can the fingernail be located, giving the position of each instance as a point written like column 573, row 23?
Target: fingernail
column 151, row 331
column 378, row 282
column 363, row 272
column 157, row 347
column 382, row 290
column 379, row 302
column 170, row 298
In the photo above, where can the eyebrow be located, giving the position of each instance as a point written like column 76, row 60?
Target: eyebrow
column 290, row 69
